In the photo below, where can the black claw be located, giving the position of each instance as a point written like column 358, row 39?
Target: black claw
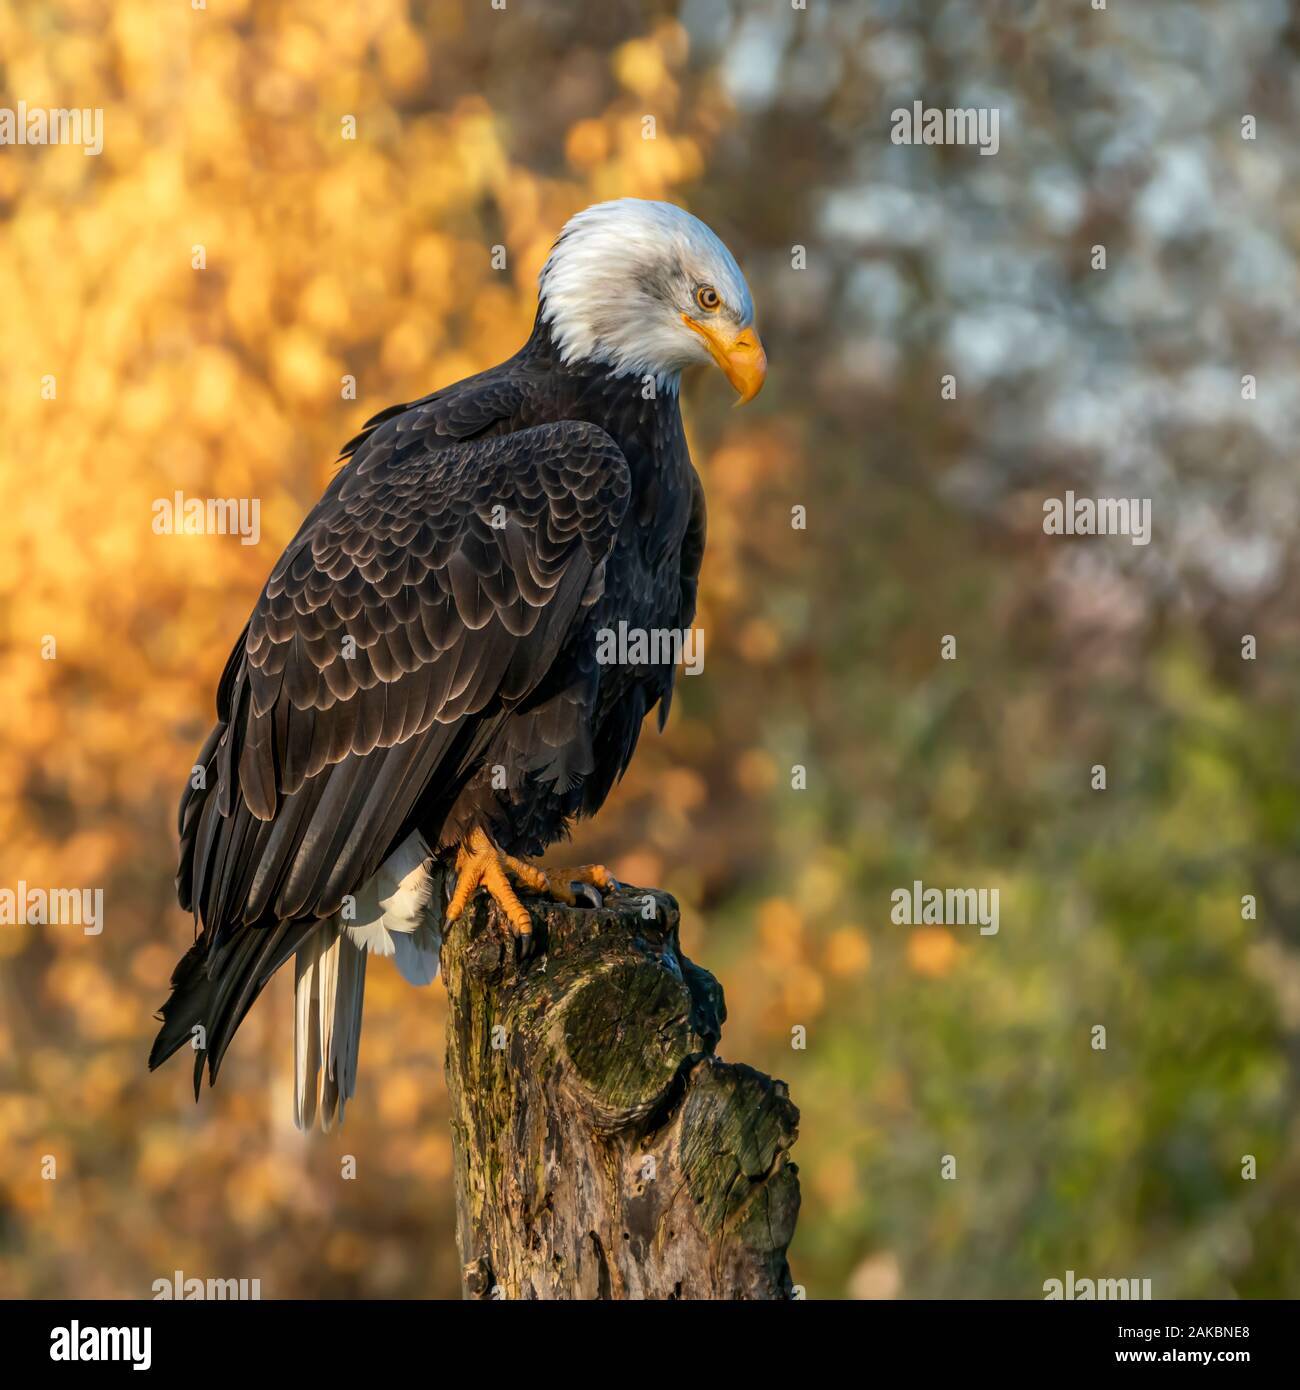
column 589, row 892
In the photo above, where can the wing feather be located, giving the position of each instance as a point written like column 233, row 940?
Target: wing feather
column 426, row 595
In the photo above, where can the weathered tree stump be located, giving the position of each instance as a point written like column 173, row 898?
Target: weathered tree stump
column 601, row 1149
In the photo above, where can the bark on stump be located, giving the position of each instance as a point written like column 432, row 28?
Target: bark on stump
column 601, row 1149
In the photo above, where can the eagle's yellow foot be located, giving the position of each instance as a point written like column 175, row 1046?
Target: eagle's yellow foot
column 479, row 863
column 558, row 881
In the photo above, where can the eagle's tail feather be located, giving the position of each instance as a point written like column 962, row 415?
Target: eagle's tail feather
column 329, row 994
column 398, row 913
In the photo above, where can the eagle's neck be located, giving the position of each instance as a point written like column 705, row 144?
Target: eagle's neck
column 643, row 419
column 543, row 350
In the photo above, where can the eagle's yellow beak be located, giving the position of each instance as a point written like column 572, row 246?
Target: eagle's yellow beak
column 741, row 356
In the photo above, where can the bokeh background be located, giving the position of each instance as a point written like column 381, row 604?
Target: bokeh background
column 371, row 257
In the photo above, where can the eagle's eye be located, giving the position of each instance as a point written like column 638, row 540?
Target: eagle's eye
column 708, row 298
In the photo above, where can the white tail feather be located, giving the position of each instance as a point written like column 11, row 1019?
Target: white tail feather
column 398, row 914
column 306, row 1036
column 340, row 1029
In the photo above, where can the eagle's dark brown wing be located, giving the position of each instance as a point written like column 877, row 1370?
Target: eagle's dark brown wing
column 427, row 593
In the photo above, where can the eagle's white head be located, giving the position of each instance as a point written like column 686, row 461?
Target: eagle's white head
column 650, row 290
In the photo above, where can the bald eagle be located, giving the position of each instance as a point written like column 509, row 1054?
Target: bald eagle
column 419, row 693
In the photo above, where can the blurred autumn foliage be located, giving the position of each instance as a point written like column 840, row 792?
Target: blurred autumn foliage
column 183, row 312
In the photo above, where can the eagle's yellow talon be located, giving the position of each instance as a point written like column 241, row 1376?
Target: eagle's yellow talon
column 558, row 880
column 479, row 863
column 557, row 885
